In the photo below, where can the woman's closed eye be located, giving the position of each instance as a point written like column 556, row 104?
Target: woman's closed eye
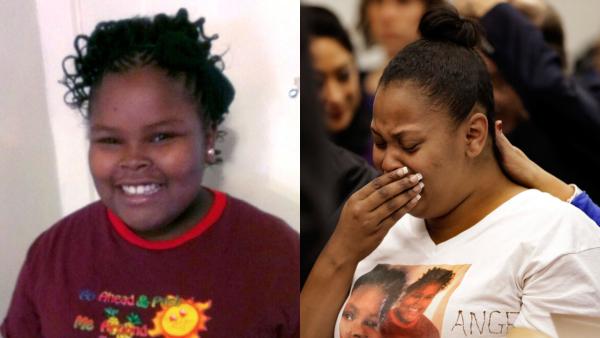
column 379, row 144
column 411, row 148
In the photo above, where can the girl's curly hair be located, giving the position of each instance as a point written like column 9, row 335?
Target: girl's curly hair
column 435, row 275
column 172, row 43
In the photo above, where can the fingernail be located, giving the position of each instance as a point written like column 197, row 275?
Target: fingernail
column 416, row 178
column 418, row 197
column 418, row 187
column 402, row 171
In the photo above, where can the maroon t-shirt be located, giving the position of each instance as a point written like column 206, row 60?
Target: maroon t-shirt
column 235, row 274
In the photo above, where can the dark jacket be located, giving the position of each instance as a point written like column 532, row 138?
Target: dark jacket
column 563, row 135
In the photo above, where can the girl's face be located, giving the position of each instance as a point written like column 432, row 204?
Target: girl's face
column 147, row 147
column 360, row 317
column 394, row 23
column 412, row 305
column 338, row 81
column 409, row 131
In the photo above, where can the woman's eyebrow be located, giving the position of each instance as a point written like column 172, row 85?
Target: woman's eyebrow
column 375, row 132
column 399, row 135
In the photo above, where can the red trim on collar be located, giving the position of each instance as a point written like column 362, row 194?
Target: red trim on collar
column 211, row 217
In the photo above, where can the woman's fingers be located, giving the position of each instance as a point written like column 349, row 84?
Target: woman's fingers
column 370, row 212
column 501, row 140
column 396, row 206
column 381, row 182
column 388, row 192
column 504, row 145
column 393, row 218
column 508, row 151
column 514, row 161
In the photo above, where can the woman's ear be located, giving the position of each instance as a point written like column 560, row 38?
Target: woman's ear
column 476, row 133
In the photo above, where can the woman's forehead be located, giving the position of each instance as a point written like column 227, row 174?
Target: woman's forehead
column 143, row 95
column 404, row 107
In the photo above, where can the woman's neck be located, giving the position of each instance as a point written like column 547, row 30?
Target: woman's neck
column 491, row 190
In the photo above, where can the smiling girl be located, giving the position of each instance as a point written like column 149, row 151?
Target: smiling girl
column 159, row 254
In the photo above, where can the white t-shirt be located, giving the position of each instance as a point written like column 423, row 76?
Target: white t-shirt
column 532, row 256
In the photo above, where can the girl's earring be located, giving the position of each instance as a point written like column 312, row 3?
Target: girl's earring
column 211, row 156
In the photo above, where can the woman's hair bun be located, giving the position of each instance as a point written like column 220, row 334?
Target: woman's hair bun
column 443, row 23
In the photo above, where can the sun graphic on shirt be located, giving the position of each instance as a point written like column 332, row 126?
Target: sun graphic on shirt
column 184, row 320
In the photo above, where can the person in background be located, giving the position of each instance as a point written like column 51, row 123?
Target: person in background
column 535, row 98
column 545, row 17
column 329, row 173
column 347, row 111
column 587, row 69
column 391, row 24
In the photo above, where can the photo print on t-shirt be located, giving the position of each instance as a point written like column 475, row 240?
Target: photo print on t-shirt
column 400, row 301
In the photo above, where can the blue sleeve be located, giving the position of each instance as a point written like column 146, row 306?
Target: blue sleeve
column 585, row 204
column 554, row 100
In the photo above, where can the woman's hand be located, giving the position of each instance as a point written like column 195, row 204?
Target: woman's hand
column 525, row 172
column 370, row 212
column 365, row 219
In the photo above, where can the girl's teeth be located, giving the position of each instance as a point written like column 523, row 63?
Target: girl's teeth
column 140, row 189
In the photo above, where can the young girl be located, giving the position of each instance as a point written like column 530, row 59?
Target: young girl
column 159, row 254
column 526, row 254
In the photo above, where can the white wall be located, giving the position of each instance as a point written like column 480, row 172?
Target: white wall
column 43, row 164
column 29, row 200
